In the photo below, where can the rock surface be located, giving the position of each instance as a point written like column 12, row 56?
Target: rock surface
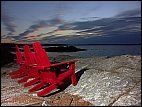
column 114, row 81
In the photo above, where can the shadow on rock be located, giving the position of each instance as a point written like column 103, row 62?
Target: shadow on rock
column 67, row 83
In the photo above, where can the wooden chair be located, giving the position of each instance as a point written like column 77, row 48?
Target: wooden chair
column 29, row 59
column 31, row 71
column 51, row 75
column 19, row 60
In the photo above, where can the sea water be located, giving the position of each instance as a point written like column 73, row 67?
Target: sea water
column 101, row 50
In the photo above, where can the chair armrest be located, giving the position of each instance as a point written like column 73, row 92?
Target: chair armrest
column 21, row 63
column 52, row 65
column 62, row 63
column 32, row 65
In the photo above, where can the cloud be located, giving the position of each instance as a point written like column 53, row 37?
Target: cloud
column 3, row 36
column 7, row 21
column 7, row 39
column 34, row 27
column 89, row 18
column 40, row 36
column 129, row 13
column 38, row 25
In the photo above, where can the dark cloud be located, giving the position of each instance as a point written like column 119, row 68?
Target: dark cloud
column 90, row 18
column 47, row 33
column 8, row 23
column 3, row 36
column 40, row 24
column 130, row 13
column 34, row 27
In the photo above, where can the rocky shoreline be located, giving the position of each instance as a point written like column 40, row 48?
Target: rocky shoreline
column 114, row 81
column 106, row 81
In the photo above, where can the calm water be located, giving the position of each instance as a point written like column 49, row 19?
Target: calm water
column 102, row 50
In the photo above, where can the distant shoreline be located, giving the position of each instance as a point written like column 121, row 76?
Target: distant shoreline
column 7, row 50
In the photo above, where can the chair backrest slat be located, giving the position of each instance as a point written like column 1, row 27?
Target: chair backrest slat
column 28, row 55
column 19, row 58
column 41, row 54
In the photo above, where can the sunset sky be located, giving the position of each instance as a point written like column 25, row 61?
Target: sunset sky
column 43, row 20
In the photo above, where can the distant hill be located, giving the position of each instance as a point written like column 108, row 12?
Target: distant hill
column 8, row 48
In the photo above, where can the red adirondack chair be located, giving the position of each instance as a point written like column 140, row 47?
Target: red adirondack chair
column 51, row 75
column 19, row 60
column 28, row 60
column 31, row 71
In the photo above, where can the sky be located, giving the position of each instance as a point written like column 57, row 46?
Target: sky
column 25, row 20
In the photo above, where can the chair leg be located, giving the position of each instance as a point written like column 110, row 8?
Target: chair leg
column 31, row 82
column 38, row 86
column 24, row 79
column 14, row 72
column 73, row 79
column 20, row 70
column 46, row 90
column 18, row 76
